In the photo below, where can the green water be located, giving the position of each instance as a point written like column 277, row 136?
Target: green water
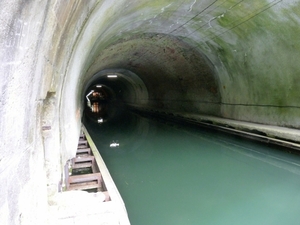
column 174, row 175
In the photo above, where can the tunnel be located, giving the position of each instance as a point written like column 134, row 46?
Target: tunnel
column 228, row 64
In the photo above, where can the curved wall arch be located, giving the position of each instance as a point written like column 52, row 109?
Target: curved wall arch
column 135, row 90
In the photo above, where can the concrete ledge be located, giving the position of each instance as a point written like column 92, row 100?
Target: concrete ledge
column 115, row 197
column 274, row 134
column 80, row 207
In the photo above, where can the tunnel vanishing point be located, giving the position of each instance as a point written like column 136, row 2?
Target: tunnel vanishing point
column 232, row 63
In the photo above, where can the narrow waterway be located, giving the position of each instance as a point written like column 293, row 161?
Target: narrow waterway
column 173, row 174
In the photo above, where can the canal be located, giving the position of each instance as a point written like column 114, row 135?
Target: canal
column 172, row 174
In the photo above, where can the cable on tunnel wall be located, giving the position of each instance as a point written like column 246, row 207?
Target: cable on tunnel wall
column 165, row 35
column 210, row 36
column 247, row 18
column 261, row 10
column 182, row 25
column 191, row 19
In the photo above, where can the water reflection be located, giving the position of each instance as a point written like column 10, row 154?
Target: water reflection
column 123, row 130
column 186, row 175
column 114, row 144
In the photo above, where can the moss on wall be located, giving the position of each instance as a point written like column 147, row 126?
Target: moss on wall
column 257, row 48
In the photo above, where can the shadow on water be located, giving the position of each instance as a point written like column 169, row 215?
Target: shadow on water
column 174, row 174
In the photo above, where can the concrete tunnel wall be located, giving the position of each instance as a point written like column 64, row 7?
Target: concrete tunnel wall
column 225, row 58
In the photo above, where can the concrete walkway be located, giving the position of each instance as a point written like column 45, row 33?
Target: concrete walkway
column 80, row 207
column 282, row 135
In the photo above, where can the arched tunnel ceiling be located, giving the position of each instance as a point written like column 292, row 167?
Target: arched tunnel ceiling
column 233, row 59
column 174, row 74
column 124, row 86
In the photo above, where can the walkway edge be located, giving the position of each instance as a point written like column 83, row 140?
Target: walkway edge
column 108, row 181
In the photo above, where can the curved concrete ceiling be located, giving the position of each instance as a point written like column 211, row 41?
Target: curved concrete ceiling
column 222, row 58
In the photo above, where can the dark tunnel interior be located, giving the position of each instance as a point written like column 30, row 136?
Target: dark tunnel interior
column 157, row 71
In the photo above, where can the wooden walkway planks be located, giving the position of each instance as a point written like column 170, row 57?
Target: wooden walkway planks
column 84, row 173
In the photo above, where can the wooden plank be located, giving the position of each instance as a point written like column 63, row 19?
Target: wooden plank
column 82, row 155
column 84, row 150
column 82, row 137
column 82, row 146
column 107, row 197
column 84, row 187
column 85, row 183
column 82, row 165
column 95, row 167
column 85, row 178
column 82, row 142
column 83, row 159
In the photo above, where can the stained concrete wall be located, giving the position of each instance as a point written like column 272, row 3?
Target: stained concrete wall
column 37, row 40
column 230, row 59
